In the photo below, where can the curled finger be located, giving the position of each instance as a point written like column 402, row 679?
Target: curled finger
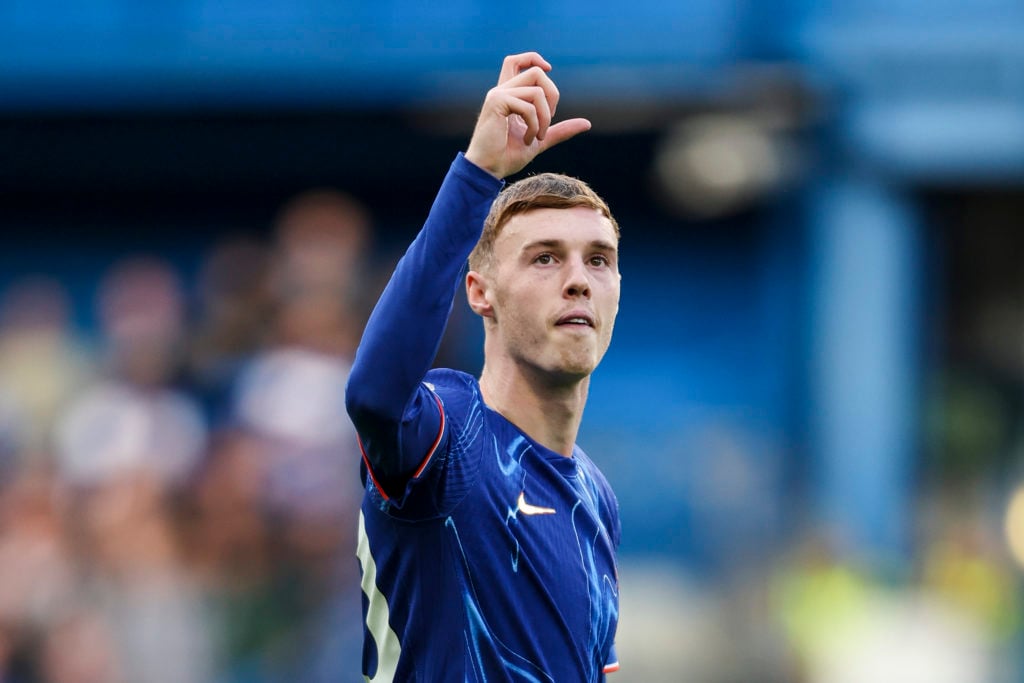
column 535, row 97
column 513, row 65
column 537, row 77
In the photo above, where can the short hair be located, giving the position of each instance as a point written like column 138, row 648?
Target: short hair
column 541, row 191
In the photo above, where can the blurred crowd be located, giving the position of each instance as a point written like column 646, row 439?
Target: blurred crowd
column 179, row 491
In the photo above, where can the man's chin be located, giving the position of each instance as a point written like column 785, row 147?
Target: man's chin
column 574, row 370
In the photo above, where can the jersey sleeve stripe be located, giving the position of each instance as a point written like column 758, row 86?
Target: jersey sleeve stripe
column 611, row 668
column 369, row 470
column 437, row 441
column 423, row 465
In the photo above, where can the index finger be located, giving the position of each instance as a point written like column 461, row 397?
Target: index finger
column 514, row 64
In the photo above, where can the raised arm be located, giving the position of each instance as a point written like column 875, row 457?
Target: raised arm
column 399, row 420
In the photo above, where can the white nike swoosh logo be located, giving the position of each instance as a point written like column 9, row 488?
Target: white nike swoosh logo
column 528, row 509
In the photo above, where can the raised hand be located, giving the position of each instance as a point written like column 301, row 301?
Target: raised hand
column 515, row 123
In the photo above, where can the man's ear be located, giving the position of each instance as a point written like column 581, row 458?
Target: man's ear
column 477, row 293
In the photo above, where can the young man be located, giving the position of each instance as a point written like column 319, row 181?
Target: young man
column 487, row 537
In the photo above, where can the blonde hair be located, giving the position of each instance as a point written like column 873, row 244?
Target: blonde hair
column 542, row 191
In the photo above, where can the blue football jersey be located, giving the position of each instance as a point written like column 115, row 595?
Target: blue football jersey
column 494, row 562
column 485, row 556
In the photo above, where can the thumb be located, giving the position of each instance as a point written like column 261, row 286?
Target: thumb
column 562, row 131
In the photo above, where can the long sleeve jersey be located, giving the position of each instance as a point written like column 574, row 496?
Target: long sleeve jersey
column 485, row 556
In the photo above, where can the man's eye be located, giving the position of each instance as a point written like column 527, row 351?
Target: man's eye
column 598, row 260
column 543, row 259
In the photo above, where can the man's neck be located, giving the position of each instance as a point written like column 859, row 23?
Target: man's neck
column 546, row 411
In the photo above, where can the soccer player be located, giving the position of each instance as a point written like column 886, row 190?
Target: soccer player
column 487, row 537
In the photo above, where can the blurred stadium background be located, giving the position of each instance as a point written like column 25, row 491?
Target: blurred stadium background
column 813, row 411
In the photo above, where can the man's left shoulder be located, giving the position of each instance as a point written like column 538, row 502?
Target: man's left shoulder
column 590, row 468
column 599, row 486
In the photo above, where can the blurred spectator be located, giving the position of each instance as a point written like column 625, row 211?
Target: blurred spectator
column 13, row 446
column 134, row 418
column 235, row 306
column 117, row 427
column 142, row 317
column 232, row 546
column 80, row 649
column 126, row 446
column 37, row 573
column 319, row 279
column 906, row 637
column 964, row 564
column 817, row 592
column 138, row 579
column 847, row 625
column 42, row 364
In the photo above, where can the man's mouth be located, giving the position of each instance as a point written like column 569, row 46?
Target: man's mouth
column 576, row 319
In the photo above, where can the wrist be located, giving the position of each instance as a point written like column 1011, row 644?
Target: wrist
column 474, row 157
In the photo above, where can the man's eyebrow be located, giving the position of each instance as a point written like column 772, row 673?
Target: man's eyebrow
column 547, row 244
column 554, row 244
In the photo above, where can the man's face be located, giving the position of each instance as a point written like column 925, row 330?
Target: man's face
column 553, row 291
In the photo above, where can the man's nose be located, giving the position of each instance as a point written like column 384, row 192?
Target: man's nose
column 577, row 280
